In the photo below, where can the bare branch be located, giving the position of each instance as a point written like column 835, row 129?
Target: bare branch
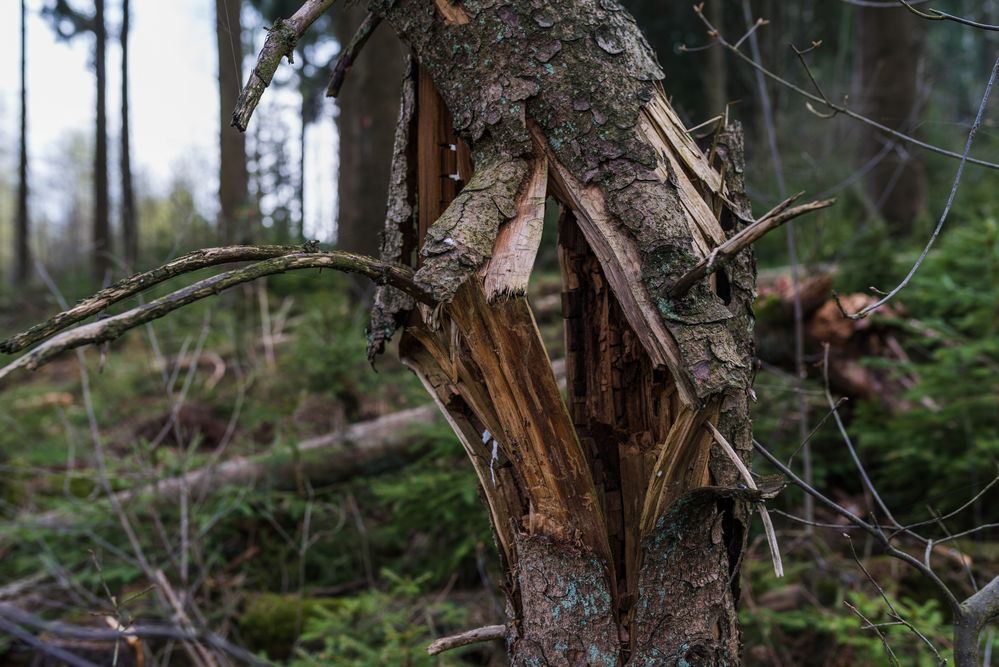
column 192, row 261
column 874, row 531
column 108, row 329
column 349, row 53
column 892, row 611
column 733, row 246
column 937, row 15
column 280, row 43
column 476, row 636
column 838, row 108
column 865, row 478
column 943, row 216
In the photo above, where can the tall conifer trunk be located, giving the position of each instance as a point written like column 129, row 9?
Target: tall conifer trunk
column 367, row 109
column 234, row 198
column 22, row 249
column 129, row 228
column 102, row 223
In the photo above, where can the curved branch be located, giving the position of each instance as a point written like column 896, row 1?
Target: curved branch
column 192, row 261
column 280, row 43
column 383, row 273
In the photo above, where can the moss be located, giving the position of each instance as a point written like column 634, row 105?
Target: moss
column 271, row 623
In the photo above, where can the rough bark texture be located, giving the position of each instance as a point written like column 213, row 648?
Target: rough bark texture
column 22, row 256
column 368, row 106
column 234, row 198
column 129, row 228
column 616, row 520
column 102, row 224
column 888, row 68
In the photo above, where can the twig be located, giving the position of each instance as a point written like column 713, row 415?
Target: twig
column 937, row 15
column 943, row 217
column 733, row 246
column 865, row 478
column 478, row 635
column 839, row 108
column 874, row 531
column 892, row 611
column 112, row 327
column 349, row 53
column 768, row 526
column 280, row 43
column 877, row 628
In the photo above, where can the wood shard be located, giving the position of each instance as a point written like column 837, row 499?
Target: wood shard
column 453, row 12
column 516, row 247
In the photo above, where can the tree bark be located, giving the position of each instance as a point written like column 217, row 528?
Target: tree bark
column 234, row 198
column 22, row 250
column 129, row 228
column 102, row 226
column 891, row 42
column 367, row 110
column 620, row 525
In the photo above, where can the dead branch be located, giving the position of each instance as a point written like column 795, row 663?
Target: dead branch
column 192, row 261
column 17, row 618
column 382, row 273
column 349, row 53
column 478, row 635
column 739, row 242
column 280, row 43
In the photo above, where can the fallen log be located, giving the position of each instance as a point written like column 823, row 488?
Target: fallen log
column 364, row 448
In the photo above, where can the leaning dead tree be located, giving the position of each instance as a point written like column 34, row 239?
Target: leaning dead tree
column 619, row 510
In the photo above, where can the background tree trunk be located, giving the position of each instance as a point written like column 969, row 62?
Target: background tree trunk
column 22, row 250
column 102, row 224
column 717, row 71
column 234, row 217
column 889, row 62
column 368, row 105
column 129, row 228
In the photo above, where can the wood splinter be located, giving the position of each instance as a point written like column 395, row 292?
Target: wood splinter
column 476, row 636
column 748, row 236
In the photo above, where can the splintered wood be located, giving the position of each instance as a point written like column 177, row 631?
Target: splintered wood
column 599, row 465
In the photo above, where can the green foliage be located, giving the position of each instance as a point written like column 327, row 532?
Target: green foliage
column 378, row 628
column 432, row 503
column 823, row 631
column 949, row 440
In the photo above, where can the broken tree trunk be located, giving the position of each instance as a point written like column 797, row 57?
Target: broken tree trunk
column 619, row 524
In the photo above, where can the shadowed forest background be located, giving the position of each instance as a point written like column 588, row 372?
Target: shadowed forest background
column 312, row 509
